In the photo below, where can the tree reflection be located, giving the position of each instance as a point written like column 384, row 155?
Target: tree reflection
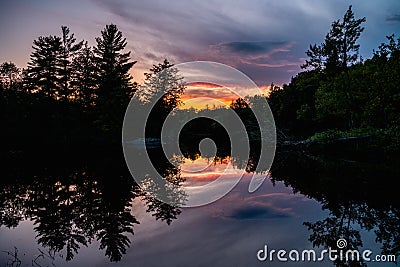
column 358, row 196
column 170, row 188
column 71, row 206
column 90, row 198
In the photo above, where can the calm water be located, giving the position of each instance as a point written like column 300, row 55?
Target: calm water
column 83, row 209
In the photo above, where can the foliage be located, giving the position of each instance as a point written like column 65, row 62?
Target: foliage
column 339, row 50
column 84, row 77
column 386, row 140
column 68, row 51
column 164, row 82
column 42, row 72
column 293, row 105
column 162, row 88
column 114, row 88
column 69, row 90
column 10, row 76
column 341, row 91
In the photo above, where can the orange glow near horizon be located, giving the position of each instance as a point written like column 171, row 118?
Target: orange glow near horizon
column 203, row 170
column 206, row 95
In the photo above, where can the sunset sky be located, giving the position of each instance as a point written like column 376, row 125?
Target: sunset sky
column 265, row 39
column 206, row 94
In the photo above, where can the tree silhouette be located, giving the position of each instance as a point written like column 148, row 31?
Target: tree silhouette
column 114, row 81
column 340, row 48
column 10, row 75
column 84, row 76
column 335, row 55
column 112, row 234
column 168, row 188
column 68, row 52
column 41, row 75
column 73, row 205
column 163, row 80
column 162, row 87
column 385, row 66
column 326, row 232
column 239, row 104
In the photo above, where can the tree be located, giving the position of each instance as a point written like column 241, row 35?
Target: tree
column 84, row 76
column 384, row 68
column 50, row 68
column 163, row 87
column 158, row 68
column 293, row 105
column 114, row 81
column 68, row 51
column 335, row 55
column 10, row 75
column 239, row 104
column 43, row 66
column 340, row 48
column 163, row 79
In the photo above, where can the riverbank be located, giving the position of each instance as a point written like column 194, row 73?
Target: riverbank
column 359, row 144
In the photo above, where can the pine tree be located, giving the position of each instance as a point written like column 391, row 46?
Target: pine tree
column 340, row 48
column 164, row 79
column 68, row 51
column 162, row 88
column 10, row 75
column 334, row 56
column 83, row 79
column 114, row 81
column 41, row 74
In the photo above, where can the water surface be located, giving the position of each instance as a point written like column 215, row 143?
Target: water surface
column 89, row 212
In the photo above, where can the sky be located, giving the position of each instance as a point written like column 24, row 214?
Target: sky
column 265, row 39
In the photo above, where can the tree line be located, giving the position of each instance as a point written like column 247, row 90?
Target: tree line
column 71, row 90
column 339, row 90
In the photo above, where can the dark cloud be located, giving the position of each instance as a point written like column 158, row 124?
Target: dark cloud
column 252, row 47
column 395, row 17
column 264, row 54
column 151, row 56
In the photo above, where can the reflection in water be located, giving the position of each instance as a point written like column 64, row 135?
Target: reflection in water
column 83, row 198
column 73, row 204
column 170, row 188
column 357, row 195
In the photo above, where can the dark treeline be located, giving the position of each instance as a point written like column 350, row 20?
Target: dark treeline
column 339, row 96
column 339, row 91
column 62, row 120
column 69, row 91
column 74, row 93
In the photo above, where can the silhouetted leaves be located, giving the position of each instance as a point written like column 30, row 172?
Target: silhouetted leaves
column 115, row 87
column 341, row 91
